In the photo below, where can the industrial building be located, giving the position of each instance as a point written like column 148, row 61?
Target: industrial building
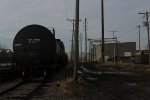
column 125, row 49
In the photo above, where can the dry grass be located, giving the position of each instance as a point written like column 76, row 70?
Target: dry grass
column 70, row 87
column 94, row 89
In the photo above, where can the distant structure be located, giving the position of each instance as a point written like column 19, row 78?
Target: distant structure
column 125, row 49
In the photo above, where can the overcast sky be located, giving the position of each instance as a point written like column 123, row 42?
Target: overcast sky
column 120, row 15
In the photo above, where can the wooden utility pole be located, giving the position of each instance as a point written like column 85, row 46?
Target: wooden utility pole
column 147, row 24
column 139, row 36
column 113, row 33
column 85, row 40
column 114, row 44
column 89, row 53
column 81, row 46
column 102, row 25
column 72, row 40
column 76, row 56
column 148, row 34
column 118, row 55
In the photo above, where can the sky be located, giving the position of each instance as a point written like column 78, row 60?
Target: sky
column 120, row 15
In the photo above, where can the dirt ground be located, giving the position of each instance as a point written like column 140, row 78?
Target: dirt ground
column 97, row 82
column 108, row 82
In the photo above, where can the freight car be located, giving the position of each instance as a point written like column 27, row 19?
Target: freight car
column 37, row 52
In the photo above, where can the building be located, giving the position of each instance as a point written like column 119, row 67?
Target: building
column 125, row 49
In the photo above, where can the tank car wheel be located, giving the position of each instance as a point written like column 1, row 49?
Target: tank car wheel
column 26, row 75
column 47, row 74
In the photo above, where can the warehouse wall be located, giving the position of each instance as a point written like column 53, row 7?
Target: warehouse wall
column 123, row 48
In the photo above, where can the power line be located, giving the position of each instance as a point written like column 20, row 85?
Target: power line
column 69, row 5
column 127, row 33
column 66, row 11
column 132, row 21
column 85, row 7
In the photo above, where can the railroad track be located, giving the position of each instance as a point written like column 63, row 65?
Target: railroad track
column 7, row 75
column 11, row 88
column 22, row 90
column 7, row 72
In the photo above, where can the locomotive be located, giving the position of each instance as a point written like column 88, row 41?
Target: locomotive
column 37, row 52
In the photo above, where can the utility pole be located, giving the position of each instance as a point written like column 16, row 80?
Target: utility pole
column 118, row 55
column 72, row 41
column 81, row 46
column 102, row 25
column 113, row 33
column 85, row 40
column 89, row 54
column 76, row 55
column 114, row 45
column 139, row 27
column 147, row 24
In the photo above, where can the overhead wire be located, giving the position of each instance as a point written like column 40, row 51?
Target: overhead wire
column 127, row 33
column 66, row 11
column 69, row 6
column 84, row 9
column 132, row 21
column 127, row 30
column 90, row 12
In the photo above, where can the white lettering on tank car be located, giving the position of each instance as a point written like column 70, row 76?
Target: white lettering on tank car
column 17, row 45
column 33, row 41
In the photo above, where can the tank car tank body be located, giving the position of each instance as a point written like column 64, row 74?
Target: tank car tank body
column 36, row 51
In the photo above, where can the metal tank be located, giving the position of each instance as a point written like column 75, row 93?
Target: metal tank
column 37, row 51
column 34, row 44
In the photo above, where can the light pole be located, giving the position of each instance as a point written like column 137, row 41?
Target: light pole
column 147, row 24
column 102, row 25
column 76, row 56
column 139, row 36
column 114, row 45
